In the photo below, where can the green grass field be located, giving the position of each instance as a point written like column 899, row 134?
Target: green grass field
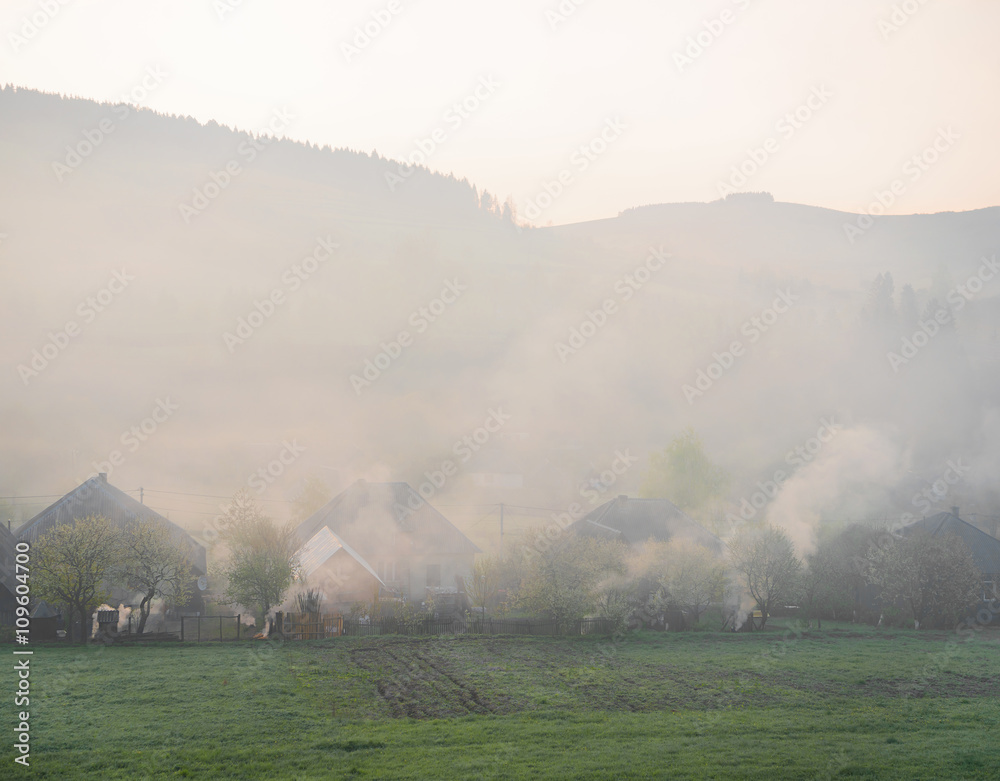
column 842, row 702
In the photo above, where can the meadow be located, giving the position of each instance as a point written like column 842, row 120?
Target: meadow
column 840, row 702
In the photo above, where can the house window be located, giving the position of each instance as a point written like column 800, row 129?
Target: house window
column 433, row 575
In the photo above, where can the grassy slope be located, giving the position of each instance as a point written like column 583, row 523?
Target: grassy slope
column 830, row 704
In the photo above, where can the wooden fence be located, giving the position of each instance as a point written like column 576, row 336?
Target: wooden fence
column 311, row 626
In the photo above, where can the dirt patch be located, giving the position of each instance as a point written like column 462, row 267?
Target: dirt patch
column 442, row 678
column 418, row 681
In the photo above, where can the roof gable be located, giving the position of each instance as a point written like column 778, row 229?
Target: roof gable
column 97, row 496
column 634, row 521
column 321, row 547
column 365, row 511
column 985, row 549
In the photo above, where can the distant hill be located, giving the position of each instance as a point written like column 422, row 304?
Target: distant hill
column 506, row 338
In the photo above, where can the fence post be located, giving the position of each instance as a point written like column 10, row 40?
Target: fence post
column 199, row 627
column 239, row 620
column 182, row 629
column 220, row 629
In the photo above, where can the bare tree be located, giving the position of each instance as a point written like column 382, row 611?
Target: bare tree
column 485, row 580
column 765, row 559
column 242, row 509
column 154, row 564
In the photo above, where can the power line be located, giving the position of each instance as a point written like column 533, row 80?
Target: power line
column 194, row 502
column 41, row 496
column 528, row 512
column 173, row 510
column 209, row 496
column 483, row 517
column 155, row 491
column 484, row 504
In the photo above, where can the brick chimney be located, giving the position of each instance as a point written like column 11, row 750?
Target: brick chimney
column 102, row 476
column 623, row 497
column 954, row 510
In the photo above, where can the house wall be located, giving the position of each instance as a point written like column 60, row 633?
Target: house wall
column 449, row 567
column 343, row 582
column 404, row 569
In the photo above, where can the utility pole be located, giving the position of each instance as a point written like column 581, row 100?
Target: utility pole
column 141, row 500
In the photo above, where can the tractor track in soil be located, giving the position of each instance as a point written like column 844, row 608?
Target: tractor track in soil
column 415, row 684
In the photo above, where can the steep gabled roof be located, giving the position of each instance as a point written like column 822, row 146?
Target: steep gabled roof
column 387, row 508
column 985, row 549
column 97, row 496
column 633, row 521
column 321, row 547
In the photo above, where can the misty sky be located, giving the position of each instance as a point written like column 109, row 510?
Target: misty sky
column 687, row 123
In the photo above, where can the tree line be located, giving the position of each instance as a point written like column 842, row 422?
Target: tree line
column 859, row 574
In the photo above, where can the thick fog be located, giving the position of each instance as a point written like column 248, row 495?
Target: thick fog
column 196, row 310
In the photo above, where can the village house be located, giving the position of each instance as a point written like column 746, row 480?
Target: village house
column 985, row 549
column 634, row 521
column 98, row 497
column 384, row 539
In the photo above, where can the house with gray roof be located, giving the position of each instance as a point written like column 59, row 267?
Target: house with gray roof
column 634, row 521
column 985, row 549
column 97, row 497
column 385, row 538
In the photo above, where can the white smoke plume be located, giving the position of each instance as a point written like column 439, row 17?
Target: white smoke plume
column 124, row 612
column 858, row 461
